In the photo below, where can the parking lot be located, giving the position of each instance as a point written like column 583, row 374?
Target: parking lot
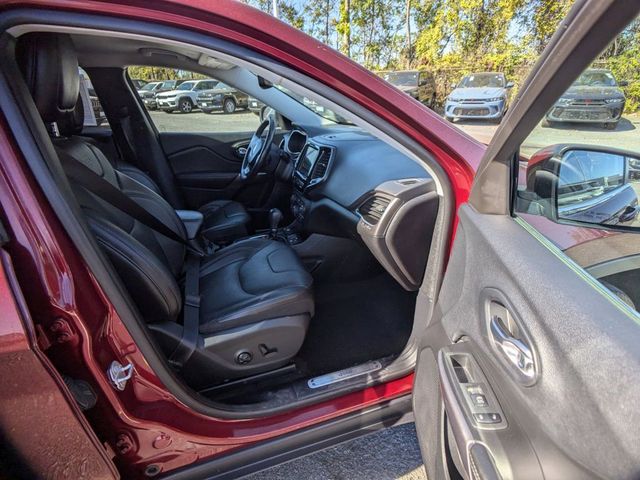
column 240, row 121
column 625, row 135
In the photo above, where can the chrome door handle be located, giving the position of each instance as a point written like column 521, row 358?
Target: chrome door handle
column 516, row 352
column 242, row 151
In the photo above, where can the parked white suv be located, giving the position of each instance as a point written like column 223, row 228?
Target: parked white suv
column 184, row 97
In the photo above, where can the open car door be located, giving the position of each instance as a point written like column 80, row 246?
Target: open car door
column 530, row 367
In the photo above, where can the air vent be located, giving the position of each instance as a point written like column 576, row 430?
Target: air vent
column 373, row 208
column 322, row 164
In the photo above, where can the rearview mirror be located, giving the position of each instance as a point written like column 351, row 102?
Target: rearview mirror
column 584, row 185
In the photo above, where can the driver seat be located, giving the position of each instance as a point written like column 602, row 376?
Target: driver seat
column 224, row 220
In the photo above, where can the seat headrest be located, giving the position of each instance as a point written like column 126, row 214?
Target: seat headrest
column 50, row 66
column 72, row 122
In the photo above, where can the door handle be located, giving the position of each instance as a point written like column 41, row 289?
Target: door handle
column 242, row 151
column 516, row 352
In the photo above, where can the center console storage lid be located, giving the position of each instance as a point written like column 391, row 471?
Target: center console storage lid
column 192, row 220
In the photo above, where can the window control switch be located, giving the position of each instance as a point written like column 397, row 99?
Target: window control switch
column 479, row 400
column 487, row 418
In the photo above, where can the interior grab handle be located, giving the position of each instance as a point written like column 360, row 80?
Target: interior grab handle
column 517, row 352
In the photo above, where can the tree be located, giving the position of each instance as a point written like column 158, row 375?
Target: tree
column 542, row 18
column 321, row 20
column 290, row 14
column 407, row 20
column 343, row 27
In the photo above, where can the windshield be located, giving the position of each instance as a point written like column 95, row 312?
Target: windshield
column 186, row 86
column 401, row 78
column 149, row 86
column 595, row 79
column 475, row 80
column 315, row 107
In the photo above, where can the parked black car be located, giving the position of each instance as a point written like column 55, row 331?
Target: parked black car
column 595, row 97
column 222, row 97
column 256, row 106
column 420, row 84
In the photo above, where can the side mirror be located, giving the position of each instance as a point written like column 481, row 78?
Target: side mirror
column 584, row 185
column 509, row 85
column 454, row 85
column 623, row 83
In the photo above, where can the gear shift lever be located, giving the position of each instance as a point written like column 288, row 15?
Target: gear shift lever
column 275, row 217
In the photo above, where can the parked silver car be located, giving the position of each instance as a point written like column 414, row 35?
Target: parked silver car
column 483, row 95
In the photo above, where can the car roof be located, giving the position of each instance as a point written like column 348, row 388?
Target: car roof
column 402, row 71
column 485, row 73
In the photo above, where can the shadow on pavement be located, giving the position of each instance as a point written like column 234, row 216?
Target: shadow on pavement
column 624, row 125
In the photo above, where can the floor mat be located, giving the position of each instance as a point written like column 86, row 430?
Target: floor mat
column 356, row 322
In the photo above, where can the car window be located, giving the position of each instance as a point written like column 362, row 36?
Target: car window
column 579, row 169
column 193, row 105
column 186, row 86
column 401, row 78
column 476, row 80
column 94, row 116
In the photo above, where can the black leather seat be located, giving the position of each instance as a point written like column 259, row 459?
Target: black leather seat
column 256, row 296
column 224, row 220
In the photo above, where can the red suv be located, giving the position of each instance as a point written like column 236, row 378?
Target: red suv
column 206, row 304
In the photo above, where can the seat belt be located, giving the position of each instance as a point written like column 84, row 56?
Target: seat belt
column 125, row 145
column 190, row 314
column 102, row 188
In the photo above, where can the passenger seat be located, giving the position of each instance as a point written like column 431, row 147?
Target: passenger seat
column 255, row 297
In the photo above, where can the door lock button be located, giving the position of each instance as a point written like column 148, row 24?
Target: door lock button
column 487, row 418
column 479, row 400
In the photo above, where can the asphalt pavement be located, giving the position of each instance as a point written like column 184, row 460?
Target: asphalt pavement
column 386, row 455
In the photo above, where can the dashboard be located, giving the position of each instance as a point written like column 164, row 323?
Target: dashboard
column 348, row 183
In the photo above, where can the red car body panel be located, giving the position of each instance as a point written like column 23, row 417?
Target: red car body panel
column 145, row 424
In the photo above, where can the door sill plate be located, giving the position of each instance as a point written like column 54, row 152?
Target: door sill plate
column 347, row 373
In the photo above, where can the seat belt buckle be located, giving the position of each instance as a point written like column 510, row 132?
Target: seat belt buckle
column 192, row 301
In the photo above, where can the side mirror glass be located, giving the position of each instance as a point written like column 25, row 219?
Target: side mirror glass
column 586, row 185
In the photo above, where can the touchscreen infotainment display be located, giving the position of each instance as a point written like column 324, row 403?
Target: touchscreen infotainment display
column 308, row 160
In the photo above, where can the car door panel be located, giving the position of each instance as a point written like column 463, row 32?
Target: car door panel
column 207, row 167
column 575, row 418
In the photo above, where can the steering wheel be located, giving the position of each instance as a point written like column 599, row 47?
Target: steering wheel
column 258, row 148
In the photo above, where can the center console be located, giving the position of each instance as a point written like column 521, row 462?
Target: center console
column 312, row 168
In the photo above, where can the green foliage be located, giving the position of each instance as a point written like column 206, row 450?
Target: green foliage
column 449, row 37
